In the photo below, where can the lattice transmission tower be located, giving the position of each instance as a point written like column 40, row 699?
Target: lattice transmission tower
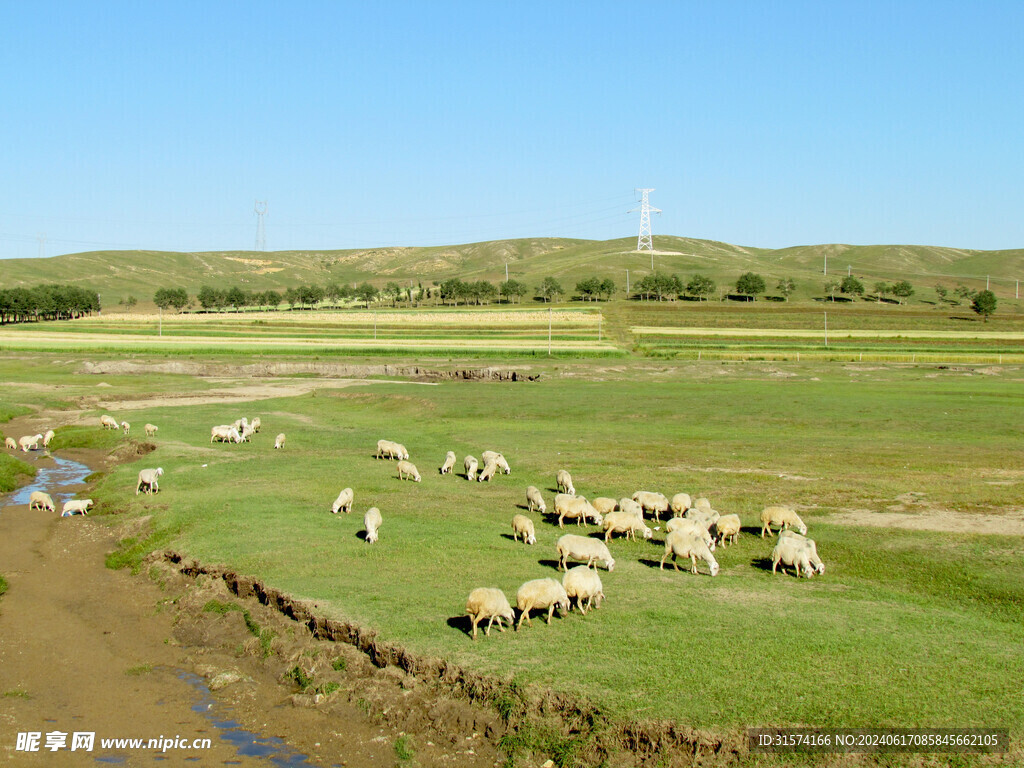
column 645, row 239
column 261, row 232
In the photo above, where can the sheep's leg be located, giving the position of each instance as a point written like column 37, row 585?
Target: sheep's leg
column 693, row 564
column 487, row 631
column 661, row 566
column 775, row 563
column 474, row 619
column 551, row 610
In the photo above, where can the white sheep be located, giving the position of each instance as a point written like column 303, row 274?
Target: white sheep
column 126, row 427
column 109, row 422
column 691, row 527
column 41, row 500
column 575, row 507
column 372, row 522
column 604, row 505
column 279, row 441
column 534, row 499
column 151, row 430
column 819, row 566
column 563, row 481
column 76, row 507
column 585, row 549
column 784, row 517
column 401, row 453
column 539, row 594
column 408, row 468
column 493, row 457
column 583, row 584
column 523, row 526
column 449, row 463
column 470, row 464
column 728, row 527
column 628, row 505
column 487, row 473
column 241, row 424
column 794, row 553
column 680, row 503
column 246, row 435
column 704, row 517
column 683, row 544
column 702, row 503
column 627, row 523
column 652, row 501
column 256, row 424
column 148, row 480
column 225, row 433
column 48, row 437
column 386, row 449
column 30, row 442
column 344, row 502
column 491, row 604
column 10, row 443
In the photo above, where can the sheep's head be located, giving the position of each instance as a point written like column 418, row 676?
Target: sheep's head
column 802, row 529
column 648, row 533
column 531, row 539
column 611, row 564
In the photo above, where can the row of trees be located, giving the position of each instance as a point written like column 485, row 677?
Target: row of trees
column 46, row 302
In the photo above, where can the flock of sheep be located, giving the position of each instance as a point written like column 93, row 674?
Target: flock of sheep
column 39, row 499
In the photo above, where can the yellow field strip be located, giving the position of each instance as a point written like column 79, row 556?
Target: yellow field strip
column 803, row 333
column 430, row 318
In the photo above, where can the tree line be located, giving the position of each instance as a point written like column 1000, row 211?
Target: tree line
column 46, row 302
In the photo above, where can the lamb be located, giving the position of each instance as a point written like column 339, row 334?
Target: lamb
column 487, row 473
column 652, row 502
column 534, row 499
column 371, row 522
column 795, row 553
column 583, row 584
column 819, row 566
column 491, row 604
column 540, row 594
column 279, row 441
column 225, row 433
column 126, row 427
column 30, row 442
column 470, row 465
column 627, row 523
column 40, row 500
column 583, row 548
column 494, row 457
column 680, row 503
column 575, row 507
column 48, row 437
column 148, row 480
column 628, row 505
column 343, row 503
column 256, row 424
column 563, row 481
column 109, row 422
column 684, row 544
column 784, row 517
column 604, row 505
column 151, row 430
column 10, row 444
column 523, row 526
column 728, row 526
column 76, row 507
column 408, row 468
column 449, row 463
column 693, row 528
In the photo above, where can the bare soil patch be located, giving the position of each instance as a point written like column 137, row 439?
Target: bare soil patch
column 932, row 519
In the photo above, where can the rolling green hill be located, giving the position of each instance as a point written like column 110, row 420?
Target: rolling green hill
column 116, row 274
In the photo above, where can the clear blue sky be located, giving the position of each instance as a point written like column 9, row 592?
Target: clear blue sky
column 157, row 125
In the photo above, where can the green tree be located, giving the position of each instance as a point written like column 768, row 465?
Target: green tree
column 700, row 286
column 902, row 290
column 588, row 288
column 210, row 298
column 392, row 291
column 514, row 289
column 984, row 304
column 550, row 289
column 964, row 293
column 367, row 293
column 831, row 286
column 786, row 286
column 942, row 292
column 882, row 290
column 852, row 286
column 130, row 301
column 165, row 298
column 607, row 287
column 270, row 299
column 750, row 284
column 235, row 297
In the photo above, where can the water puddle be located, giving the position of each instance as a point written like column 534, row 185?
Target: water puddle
column 52, row 475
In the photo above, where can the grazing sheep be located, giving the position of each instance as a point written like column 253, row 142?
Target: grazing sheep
column 40, row 500
column 704, row 517
column 784, row 517
column 241, row 424
column 256, row 424
column 386, row 449
column 583, row 584
column 728, row 526
column 151, row 430
column 408, row 468
column 470, row 465
column 702, row 503
column 126, row 427
column 343, row 503
column 534, row 499
column 279, row 441
column 48, row 437
column 400, row 452
column 30, row 442
column 371, row 522
column 247, row 433
column 652, row 502
column 493, row 457
column 627, row 523
column 539, row 594
column 10, row 444
column 684, row 544
column 628, row 505
column 76, row 507
column 604, row 505
column 491, row 604
column 691, row 527
column 109, row 422
column 148, row 480
column 225, row 433
column 575, row 507
column 449, row 463
column 523, row 526
column 585, row 549
column 680, row 503
column 487, row 473
column 563, row 481
column 794, row 553
column 819, row 566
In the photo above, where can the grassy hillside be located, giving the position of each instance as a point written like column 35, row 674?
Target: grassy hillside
column 116, row 274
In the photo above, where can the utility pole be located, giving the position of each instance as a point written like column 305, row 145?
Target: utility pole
column 261, row 233
column 847, row 270
column 645, row 240
column 986, row 282
column 506, row 271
